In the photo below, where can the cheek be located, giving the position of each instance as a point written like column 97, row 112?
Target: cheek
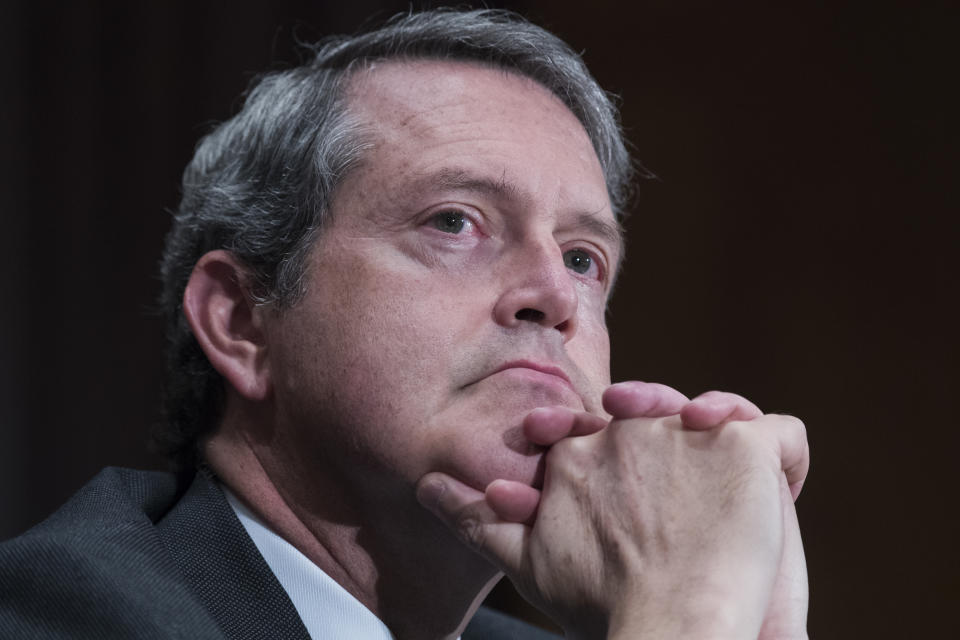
column 374, row 360
column 590, row 349
column 381, row 350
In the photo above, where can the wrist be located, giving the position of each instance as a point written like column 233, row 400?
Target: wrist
column 688, row 616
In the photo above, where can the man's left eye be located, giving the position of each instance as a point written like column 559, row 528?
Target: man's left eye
column 577, row 260
column 449, row 222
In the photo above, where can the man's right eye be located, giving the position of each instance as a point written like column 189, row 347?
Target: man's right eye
column 449, row 222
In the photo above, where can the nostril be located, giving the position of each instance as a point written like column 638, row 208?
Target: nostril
column 530, row 314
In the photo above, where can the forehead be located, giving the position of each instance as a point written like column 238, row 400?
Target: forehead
column 427, row 100
column 426, row 117
column 395, row 90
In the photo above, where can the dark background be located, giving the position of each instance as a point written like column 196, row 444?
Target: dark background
column 798, row 248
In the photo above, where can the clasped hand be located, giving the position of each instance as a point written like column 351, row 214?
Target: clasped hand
column 673, row 520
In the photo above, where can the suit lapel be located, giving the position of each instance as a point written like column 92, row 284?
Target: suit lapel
column 224, row 568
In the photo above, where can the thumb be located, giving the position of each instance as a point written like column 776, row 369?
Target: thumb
column 635, row 399
column 713, row 408
column 473, row 521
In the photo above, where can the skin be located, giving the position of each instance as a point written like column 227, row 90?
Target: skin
column 681, row 526
column 450, row 347
column 388, row 368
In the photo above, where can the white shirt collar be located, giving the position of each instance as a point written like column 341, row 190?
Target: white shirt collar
column 326, row 609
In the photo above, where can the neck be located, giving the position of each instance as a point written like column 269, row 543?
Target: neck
column 387, row 551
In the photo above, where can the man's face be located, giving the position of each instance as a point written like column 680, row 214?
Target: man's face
column 461, row 282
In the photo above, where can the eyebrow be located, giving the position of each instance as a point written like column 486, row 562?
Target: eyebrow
column 461, row 180
column 611, row 231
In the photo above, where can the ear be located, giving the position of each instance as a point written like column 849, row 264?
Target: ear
column 227, row 324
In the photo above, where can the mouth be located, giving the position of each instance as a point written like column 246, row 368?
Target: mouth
column 537, row 368
column 535, row 384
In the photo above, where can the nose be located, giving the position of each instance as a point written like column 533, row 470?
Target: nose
column 540, row 290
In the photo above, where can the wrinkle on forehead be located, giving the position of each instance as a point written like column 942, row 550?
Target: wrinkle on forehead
column 405, row 90
column 408, row 106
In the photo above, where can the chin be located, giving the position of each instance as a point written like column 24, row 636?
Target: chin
column 505, row 465
column 483, row 439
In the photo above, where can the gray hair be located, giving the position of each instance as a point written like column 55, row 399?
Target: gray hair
column 260, row 185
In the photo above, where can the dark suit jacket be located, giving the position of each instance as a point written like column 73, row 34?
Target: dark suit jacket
column 134, row 556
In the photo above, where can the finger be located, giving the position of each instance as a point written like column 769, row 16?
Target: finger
column 713, row 408
column 548, row 425
column 797, row 485
column 466, row 512
column 786, row 616
column 513, row 501
column 642, row 400
column 791, row 441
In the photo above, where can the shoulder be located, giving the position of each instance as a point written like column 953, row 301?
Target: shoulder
column 111, row 517
column 489, row 624
column 114, row 496
column 97, row 568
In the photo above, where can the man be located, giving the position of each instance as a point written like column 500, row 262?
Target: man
column 387, row 283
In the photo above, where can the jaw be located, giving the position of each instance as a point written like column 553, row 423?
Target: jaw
column 413, row 574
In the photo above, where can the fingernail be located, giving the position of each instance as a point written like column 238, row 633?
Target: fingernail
column 628, row 384
column 429, row 494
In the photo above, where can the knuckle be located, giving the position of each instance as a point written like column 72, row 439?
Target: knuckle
column 711, row 394
column 572, row 460
column 738, row 430
column 572, row 448
column 720, row 395
column 742, row 436
column 791, row 423
column 471, row 530
column 792, row 420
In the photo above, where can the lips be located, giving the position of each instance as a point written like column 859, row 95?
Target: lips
column 547, row 369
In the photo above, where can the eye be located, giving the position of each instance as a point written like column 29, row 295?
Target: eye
column 577, row 260
column 452, row 222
